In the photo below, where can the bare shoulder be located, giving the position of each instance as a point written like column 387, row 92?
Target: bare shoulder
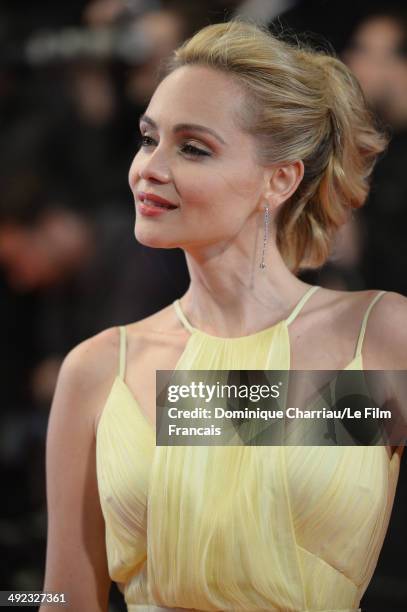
column 87, row 375
column 391, row 310
column 386, row 331
column 92, row 360
column 89, row 370
column 385, row 340
column 96, row 359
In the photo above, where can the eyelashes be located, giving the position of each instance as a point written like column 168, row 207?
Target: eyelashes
column 147, row 141
column 194, row 150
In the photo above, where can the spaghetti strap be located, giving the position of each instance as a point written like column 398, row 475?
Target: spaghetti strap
column 182, row 318
column 184, row 321
column 122, row 354
column 361, row 336
column 301, row 303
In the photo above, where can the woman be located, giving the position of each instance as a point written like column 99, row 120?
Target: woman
column 253, row 154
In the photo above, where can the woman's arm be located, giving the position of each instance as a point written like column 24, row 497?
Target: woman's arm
column 76, row 554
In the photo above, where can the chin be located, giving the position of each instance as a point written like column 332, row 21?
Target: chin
column 153, row 238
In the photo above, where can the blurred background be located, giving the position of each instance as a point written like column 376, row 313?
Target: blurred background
column 74, row 78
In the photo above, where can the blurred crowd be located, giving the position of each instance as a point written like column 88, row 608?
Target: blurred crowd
column 74, row 79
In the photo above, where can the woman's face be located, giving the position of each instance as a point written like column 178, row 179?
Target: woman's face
column 208, row 173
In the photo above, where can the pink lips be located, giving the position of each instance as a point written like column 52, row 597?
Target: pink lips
column 151, row 205
column 155, row 199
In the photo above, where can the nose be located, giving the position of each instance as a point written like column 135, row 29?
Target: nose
column 149, row 166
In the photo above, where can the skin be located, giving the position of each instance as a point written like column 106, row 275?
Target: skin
column 218, row 223
column 221, row 200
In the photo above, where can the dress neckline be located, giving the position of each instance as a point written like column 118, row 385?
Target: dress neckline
column 293, row 314
column 134, row 400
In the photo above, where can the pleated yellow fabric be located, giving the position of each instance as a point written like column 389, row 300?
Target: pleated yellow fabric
column 238, row 528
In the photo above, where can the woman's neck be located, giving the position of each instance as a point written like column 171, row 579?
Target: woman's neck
column 231, row 296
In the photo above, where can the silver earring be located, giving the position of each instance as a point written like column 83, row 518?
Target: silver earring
column 265, row 235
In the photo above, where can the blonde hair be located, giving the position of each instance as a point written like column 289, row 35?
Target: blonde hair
column 299, row 104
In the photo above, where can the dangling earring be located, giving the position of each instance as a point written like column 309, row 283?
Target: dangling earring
column 265, row 235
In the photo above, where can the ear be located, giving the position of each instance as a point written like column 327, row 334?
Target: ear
column 282, row 181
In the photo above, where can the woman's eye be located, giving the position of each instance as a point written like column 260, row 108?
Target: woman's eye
column 186, row 148
column 146, row 141
column 191, row 150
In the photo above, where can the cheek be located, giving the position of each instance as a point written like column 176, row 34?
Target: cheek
column 240, row 190
column 219, row 186
column 223, row 199
column 199, row 185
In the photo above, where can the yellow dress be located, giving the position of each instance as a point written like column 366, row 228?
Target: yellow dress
column 240, row 527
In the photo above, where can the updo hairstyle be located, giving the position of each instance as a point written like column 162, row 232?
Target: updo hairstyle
column 299, row 104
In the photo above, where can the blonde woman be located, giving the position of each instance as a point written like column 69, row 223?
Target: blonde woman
column 253, row 154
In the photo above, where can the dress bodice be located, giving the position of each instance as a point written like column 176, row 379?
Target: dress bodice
column 238, row 527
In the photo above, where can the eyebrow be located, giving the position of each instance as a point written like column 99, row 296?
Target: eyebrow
column 183, row 126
